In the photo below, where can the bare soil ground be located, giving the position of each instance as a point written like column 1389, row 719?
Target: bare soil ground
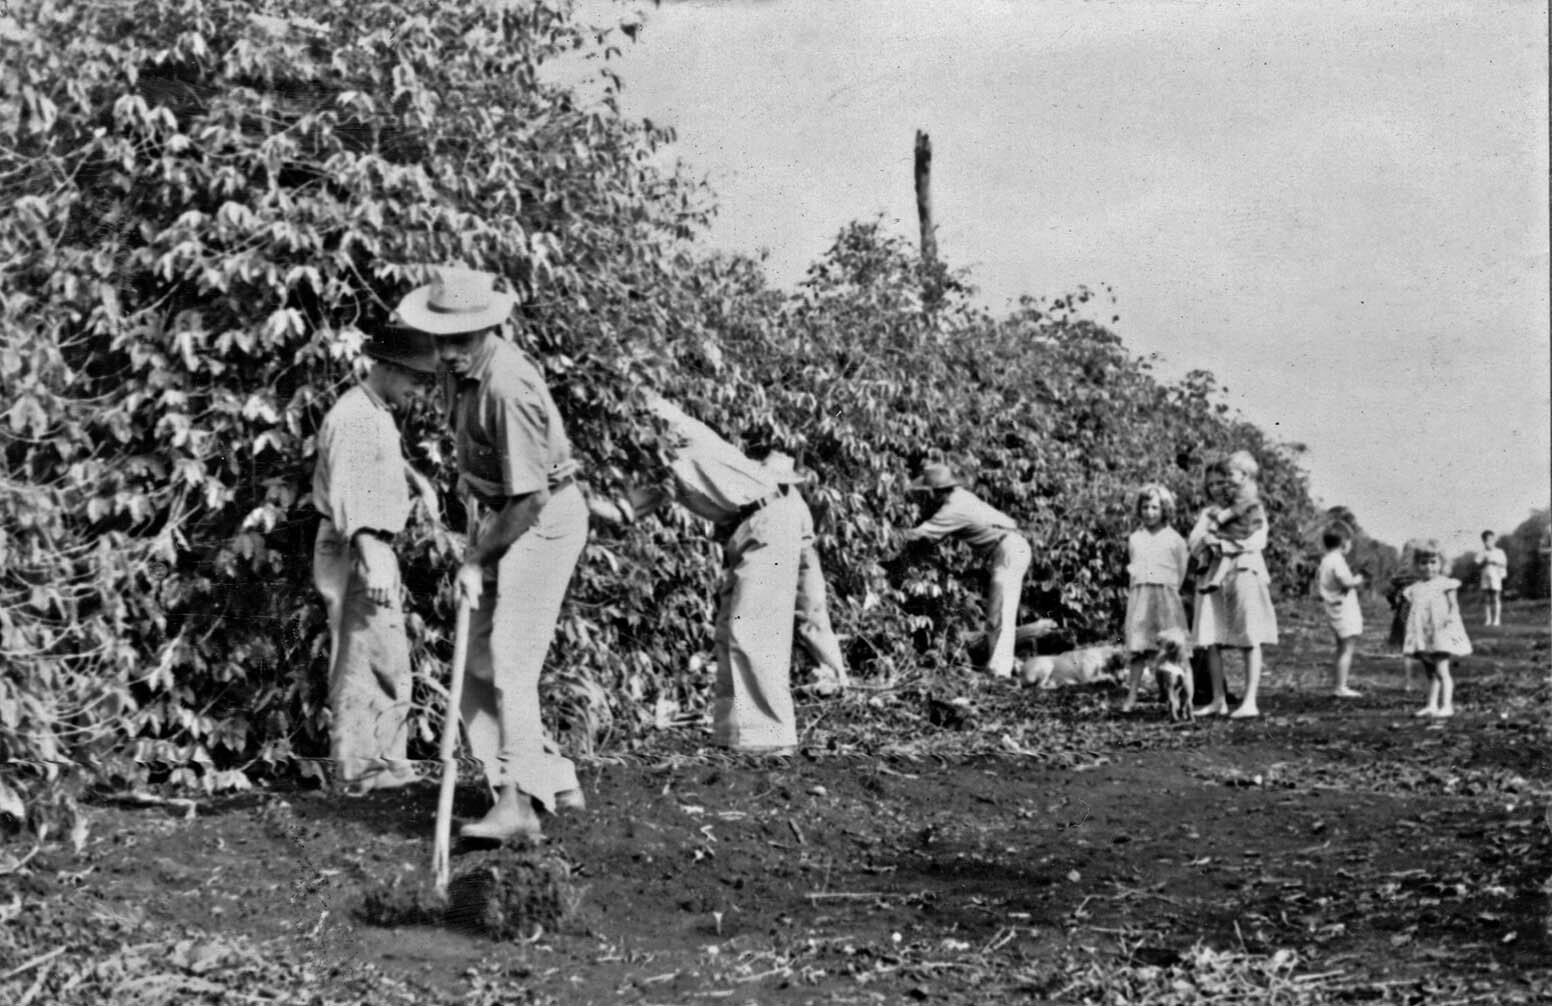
column 1019, row 847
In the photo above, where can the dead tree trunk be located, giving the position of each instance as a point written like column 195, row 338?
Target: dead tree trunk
column 929, row 240
column 931, row 270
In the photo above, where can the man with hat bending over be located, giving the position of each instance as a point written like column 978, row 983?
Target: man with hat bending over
column 515, row 460
column 760, row 523
column 359, row 487
column 954, row 511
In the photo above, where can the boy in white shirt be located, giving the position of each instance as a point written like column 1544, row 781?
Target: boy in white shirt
column 1338, row 587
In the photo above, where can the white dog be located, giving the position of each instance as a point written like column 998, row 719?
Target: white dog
column 1084, row 666
column 1172, row 670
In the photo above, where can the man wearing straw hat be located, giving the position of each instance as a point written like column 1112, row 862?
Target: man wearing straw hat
column 760, row 524
column 813, row 628
column 954, row 511
column 359, row 487
column 515, row 460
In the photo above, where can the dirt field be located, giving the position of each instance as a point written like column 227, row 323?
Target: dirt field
column 1020, row 847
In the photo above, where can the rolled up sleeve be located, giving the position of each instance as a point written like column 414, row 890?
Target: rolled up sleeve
column 519, row 425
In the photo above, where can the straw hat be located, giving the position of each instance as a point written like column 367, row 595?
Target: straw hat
column 458, row 301
column 405, row 347
column 935, row 475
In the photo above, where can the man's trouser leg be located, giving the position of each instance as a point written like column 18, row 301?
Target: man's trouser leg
column 752, row 701
column 814, row 630
column 1009, row 564
column 369, row 669
column 509, row 635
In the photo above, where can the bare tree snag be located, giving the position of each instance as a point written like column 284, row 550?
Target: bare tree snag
column 929, row 240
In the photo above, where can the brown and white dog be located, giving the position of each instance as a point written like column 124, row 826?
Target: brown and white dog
column 1171, row 667
column 1085, row 666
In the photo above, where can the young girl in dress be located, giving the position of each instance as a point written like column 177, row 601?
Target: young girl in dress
column 1239, row 615
column 1435, row 631
column 1156, row 566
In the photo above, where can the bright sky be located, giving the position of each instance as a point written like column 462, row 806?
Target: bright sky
column 1341, row 210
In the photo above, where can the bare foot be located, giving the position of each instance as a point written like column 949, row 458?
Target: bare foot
column 1444, row 711
column 1128, row 705
column 1347, row 693
column 1213, row 709
column 1427, row 711
column 1245, row 713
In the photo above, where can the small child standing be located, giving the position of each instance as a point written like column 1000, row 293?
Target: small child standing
column 1493, row 566
column 1434, row 629
column 1338, row 588
column 1156, row 566
column 1233, row 521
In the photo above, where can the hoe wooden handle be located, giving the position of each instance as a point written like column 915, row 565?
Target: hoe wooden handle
column 442, row 845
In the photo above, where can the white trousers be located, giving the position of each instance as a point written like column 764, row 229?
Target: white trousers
column 752, row 700
column 509, row 635
column 369, row 668
column 1010, row 561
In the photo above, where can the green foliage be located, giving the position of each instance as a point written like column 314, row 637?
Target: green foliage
column 205, row 206
column 1529, row 548
column 1054, row 420
column 205, row 209
column 1529, row 551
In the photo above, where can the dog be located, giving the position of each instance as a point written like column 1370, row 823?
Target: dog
column 1086, row 666
column 1171, row 666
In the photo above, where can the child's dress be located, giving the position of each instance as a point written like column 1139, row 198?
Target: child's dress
column 1157, row 566
column 1433, row 622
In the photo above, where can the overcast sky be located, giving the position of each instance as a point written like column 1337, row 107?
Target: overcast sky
column 1339, row 209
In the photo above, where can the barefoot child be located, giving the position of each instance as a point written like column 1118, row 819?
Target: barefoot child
column 1156, row 566
column 1493, row 566
column 1239, row 615
column 1434, row 629
column 1338, row 588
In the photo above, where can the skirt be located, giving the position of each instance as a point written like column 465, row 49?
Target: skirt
column 1238, row 615
column 1150, row 609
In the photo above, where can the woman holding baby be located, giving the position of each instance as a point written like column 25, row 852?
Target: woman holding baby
column 1234, row 603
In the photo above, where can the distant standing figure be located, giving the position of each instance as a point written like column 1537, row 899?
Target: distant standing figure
column 1338, row 586
column 1493, row 567
column 954, row 511
column 359, row 487
column 1238, row 616
column 1434, row 629
column 814, row 630
column 1155, row 569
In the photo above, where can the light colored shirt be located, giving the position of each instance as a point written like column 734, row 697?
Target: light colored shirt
column 1248, row 558
column 712, row 478
column 1495, row 566
column 1335, row 582
column 358, row 480
column 966, row 516
column 509, row 436
column 1156, row 557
